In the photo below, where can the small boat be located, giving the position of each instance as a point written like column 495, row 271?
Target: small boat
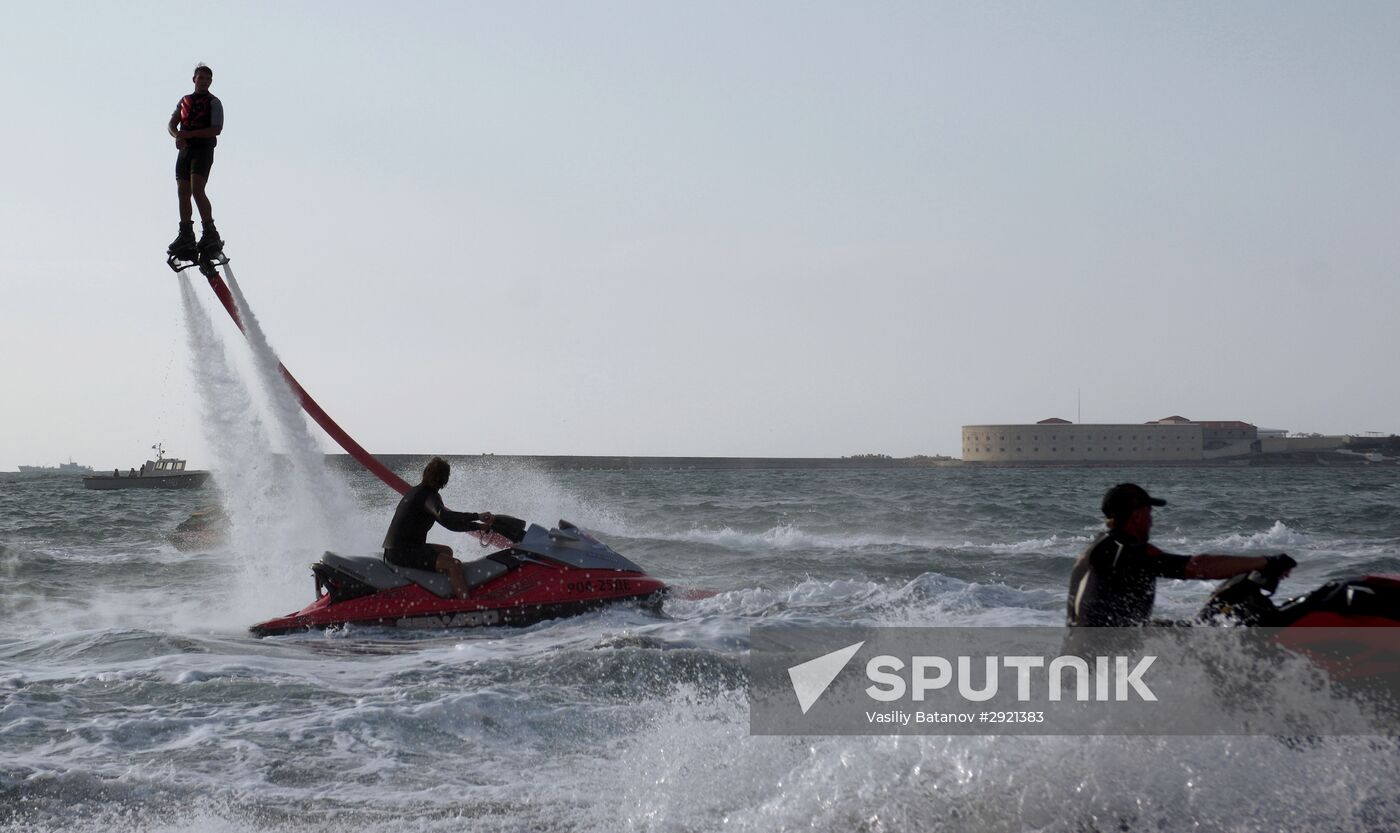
column 160, row 473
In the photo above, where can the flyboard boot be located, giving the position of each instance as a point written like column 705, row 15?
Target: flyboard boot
column 183, row 247
column 210, row 251
column 207, row 254
column 210, row 245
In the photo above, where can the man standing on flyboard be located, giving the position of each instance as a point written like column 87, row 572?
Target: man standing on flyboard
column 195, row 125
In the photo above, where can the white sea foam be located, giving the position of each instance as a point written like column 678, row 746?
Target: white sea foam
column 1279, row 536
column 284, row 511
column 321, row 502
column 929, row 600
column 1054, row 543
column 245, row 470
column 779, row 537
column 695, row 759
column 792, row 537
column 478, row 733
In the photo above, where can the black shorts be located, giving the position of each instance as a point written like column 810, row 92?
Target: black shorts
column 417, row 558
column 194, row 161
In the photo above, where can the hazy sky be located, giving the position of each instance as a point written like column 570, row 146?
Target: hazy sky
column 725, row 228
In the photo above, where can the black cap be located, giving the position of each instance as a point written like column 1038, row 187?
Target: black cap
column 1122, row 499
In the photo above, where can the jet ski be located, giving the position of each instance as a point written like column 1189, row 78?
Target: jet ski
column 540, row 574
column 1365, row 602
column 1341, row 626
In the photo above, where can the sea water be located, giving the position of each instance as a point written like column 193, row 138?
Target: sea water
column 133, row 698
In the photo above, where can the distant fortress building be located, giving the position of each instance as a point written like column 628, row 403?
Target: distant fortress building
column 1056, row 440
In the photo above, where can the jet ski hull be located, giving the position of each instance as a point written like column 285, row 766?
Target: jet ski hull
column 546, row 575
column 531, row 594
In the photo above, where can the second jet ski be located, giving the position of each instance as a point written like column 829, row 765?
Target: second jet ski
column 1363, row 602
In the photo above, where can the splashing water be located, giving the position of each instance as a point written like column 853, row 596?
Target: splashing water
column 284, row 510
column 323, row 501
column 246, row 471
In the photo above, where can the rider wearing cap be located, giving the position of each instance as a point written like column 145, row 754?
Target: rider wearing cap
column 1114, row 583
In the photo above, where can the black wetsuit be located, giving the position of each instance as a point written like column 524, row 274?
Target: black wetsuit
column 406, row 544
column 1114, row 583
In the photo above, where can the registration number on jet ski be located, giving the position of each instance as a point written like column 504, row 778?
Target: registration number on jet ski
column 600, row 585
column 455, row 620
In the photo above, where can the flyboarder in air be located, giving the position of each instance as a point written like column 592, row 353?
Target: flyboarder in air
column 195, row 125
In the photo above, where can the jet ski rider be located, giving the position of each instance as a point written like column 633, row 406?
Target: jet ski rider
column 1114, row 583
column 406, row 543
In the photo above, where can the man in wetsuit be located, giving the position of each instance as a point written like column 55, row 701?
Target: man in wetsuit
column 1114, row 583
column 406, row 543
column 195, row 125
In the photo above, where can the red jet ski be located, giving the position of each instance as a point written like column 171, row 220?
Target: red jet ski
column 543, row 574
column 1364, row 602
column 1344, row 626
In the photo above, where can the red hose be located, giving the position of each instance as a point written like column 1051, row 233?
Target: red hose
column 308, row 404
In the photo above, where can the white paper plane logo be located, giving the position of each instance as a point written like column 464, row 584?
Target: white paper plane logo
column 811, row 678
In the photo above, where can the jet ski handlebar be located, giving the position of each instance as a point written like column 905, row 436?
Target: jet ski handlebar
column 510, row 528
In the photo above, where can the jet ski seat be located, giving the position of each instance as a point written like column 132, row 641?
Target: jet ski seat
column 381, row 575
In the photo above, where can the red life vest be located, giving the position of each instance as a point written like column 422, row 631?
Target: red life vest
column 195, row 110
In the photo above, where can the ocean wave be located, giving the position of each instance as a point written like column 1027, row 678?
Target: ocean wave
column 1054, row 543
column 1278, row 536
column 696, row 759
column 787, row 537
column 930, row 599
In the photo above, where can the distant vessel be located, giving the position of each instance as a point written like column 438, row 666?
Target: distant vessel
column 160, row 473
column 69, row 467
